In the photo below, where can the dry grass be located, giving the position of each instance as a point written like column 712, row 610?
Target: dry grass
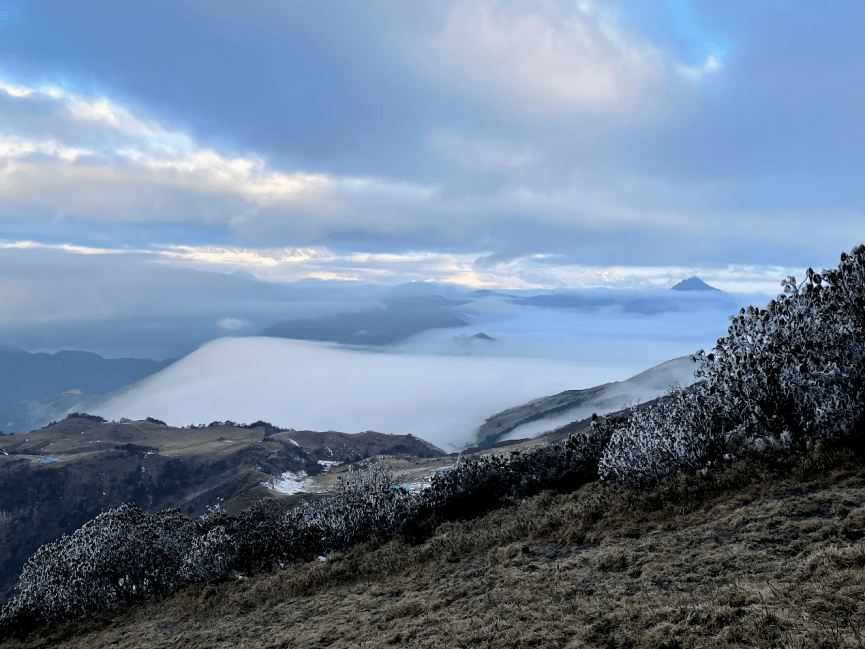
column 766, row 553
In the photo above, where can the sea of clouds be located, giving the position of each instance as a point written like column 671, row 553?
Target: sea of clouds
column 441, row 384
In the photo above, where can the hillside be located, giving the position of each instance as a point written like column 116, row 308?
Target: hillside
column 553, row 412
column 25, row 376
column 55, row 479
column 768, row 552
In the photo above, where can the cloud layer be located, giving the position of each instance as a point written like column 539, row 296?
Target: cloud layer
column 315, row 386
column 485, row 143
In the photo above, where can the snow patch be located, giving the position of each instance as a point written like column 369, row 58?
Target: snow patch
column 290, row 483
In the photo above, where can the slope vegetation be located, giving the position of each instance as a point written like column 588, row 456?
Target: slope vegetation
column 54, row 480
column 768, row 552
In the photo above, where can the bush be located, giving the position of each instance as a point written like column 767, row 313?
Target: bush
column 684, row 432
column 84, row 415
column 120, row 556
column 786, row 375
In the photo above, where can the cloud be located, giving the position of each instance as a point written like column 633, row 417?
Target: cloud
column 485, row 142
column 710, row 65
column 480, row 154
column 312, row 386
column 231, row 324
column 95, row 159
column 57, row 282
column 544, row 57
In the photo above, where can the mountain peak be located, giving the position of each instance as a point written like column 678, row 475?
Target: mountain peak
column 693, row 284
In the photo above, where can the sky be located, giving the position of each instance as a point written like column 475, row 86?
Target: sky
column 166, row 153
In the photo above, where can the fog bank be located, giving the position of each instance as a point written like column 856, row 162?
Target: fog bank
column 320, row 386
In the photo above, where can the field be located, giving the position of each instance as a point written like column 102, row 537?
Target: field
column 768, row 552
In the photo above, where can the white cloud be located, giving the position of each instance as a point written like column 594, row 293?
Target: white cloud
column 231, row 324
column 710, row 65
column 314, row 386
column 480, row 154
column 472, row 270
column 543, row 56
column 94, row 158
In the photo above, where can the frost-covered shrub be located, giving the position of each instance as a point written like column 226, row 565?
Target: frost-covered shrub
column 474, row 487
column 366, row 505
column 685, row 432
column 784, row 375
column 120, row 556
column 794, row 371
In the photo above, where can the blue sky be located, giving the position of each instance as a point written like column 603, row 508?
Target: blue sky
column 521, row 145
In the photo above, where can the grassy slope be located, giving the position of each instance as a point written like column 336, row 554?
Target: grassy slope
column 766, row 553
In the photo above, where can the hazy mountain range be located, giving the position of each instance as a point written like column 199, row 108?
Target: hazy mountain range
column 36, row 388
column 398, row 320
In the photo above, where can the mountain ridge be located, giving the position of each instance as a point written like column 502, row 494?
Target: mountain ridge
column 693, row 284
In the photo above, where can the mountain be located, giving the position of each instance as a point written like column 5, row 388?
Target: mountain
column 549, row 413
column 465, row 338
column 693, row 284
column 765, row 552
column 399, row 319
column 33, row 414
column 55, row 479
column 25, row 376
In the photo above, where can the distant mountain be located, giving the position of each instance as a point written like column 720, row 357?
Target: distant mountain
column 477, row 336
column 25, row 376
column 33, row 414
column 693, row 284
column 398, row 319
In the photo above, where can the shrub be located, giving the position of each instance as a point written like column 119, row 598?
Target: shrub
column 786, row 375
column 84, row 415
column 684, row 432
column 793, row 372
column 366, row 505
column 120, row 556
